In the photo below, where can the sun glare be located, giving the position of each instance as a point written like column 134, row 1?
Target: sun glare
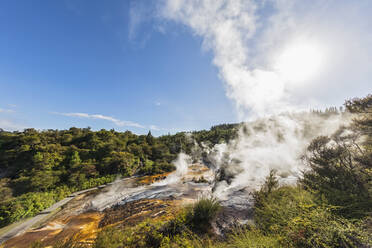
column 300, row 61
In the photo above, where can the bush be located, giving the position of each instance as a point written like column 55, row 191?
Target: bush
column 32, row 203
column 340, row 166
column 175, row 226
column 292, row 213
column 337, row 177
column 200, row 215
column 26, row 205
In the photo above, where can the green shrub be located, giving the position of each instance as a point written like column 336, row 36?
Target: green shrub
column 175, row 226
column 32, row 203
column 292, row 213
column 199, row 216
column 337, row 177
column 25, row 206
column 340, row 165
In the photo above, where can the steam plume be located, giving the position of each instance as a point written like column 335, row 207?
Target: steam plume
column 181, row 163
column 226, row 28
column 230, row 29
column 248, row 37
column 270, row 143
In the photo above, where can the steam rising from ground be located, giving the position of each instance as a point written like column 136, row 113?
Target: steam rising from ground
column 276, row 142
column 246, row 52
column 181, row 163
column 271, row 143
column 261, row 83
column 125, row 190
column 115, row 193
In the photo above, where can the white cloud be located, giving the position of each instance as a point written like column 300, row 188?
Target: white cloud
column 225, row 27
column 136, row 17
column 117, row 122
column 140, row 13
column 155, row 128
column 6, row 110
column 9, row 125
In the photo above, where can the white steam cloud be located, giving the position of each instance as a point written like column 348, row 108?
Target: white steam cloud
column 274, row 56
column 182, row 162
column 270, row 143
column 226, row 28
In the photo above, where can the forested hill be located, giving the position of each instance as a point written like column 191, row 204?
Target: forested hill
column 40, row 167
column 76, row 155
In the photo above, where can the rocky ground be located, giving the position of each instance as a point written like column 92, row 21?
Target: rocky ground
column 131, row 201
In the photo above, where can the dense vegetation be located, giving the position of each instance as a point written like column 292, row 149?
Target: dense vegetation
column 37, row 168
column 331, row 206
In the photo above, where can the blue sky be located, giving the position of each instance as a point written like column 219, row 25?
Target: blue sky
column 159, row 65
column 80, row 57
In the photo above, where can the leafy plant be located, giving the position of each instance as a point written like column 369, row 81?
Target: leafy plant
column 199, row 216
column 293, row 214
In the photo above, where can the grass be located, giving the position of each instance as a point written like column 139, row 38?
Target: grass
column 250, row 238
column 200, row 215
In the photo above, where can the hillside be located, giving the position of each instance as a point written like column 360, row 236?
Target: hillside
column 42, row 167
column 330, row 206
